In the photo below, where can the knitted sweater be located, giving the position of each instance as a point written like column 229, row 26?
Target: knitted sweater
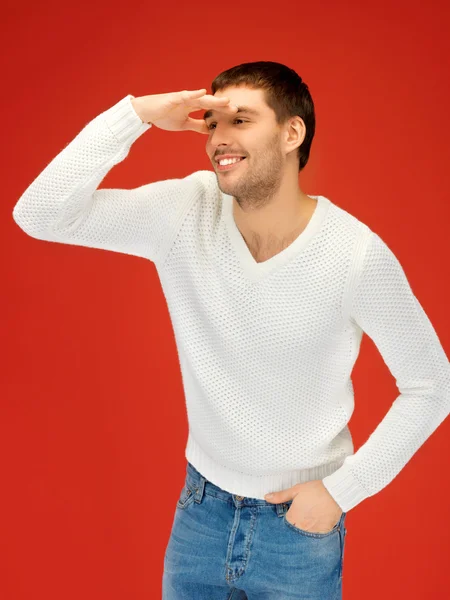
column 266, row 350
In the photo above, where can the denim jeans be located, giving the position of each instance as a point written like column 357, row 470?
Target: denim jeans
column 228, row 547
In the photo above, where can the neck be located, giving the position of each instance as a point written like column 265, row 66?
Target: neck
column 278, row 218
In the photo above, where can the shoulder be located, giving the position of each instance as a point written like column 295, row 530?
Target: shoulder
column 347, row 221
column 207, row 180
column 347, row 235
column 363, row 246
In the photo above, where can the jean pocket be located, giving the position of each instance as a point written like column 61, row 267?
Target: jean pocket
column 314, row 534
column 186, row 497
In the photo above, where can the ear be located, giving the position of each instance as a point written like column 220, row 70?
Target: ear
column 295, row 133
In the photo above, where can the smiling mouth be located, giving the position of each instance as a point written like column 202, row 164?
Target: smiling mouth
column 230, row 166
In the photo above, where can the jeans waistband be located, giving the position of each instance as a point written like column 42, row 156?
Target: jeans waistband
column 197, row 483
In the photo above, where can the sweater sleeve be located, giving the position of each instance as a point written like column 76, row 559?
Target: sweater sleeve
column 64, row 205
column 385, row 308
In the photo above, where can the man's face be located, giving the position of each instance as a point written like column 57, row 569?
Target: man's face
column 256, row 136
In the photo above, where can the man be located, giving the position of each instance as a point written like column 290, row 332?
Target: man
column 270, row 291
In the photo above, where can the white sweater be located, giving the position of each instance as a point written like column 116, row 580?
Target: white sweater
column 266, row 349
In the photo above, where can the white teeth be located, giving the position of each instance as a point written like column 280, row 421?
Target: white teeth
column 229, row 161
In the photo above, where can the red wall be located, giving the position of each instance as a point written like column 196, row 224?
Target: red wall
column 92, row 416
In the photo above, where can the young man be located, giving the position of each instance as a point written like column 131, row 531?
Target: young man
column 270, row 291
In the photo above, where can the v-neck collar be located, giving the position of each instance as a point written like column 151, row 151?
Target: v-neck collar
column 256, row 270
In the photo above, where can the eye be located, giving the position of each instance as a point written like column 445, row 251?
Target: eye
column 209, row 126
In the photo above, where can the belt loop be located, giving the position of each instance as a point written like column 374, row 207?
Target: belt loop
column 281, row 509
column 200, row 491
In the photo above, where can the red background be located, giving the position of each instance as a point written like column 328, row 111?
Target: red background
column 92, row 417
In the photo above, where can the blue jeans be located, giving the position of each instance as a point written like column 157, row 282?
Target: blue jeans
column 226, row 547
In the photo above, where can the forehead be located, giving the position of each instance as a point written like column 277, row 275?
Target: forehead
column 248, row 101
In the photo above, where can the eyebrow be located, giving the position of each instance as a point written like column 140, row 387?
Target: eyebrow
column 245, row 109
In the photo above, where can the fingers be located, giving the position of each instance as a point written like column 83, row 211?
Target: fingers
column 204, row 100
column 186, row 95
column 212, row 103
column 208, row 97
column 209, row 101
column 193, row 93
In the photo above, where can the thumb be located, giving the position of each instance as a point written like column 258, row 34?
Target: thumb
column 282, row 496
column 197, row 125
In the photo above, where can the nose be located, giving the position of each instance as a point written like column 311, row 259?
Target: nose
column 220, row 136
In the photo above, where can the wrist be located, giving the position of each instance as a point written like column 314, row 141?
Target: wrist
column 138, row 108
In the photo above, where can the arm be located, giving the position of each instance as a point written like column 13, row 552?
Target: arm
column 64, row 205
column 386, row 309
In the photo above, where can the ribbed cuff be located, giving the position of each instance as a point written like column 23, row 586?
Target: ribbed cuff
column 345, row 488
column 124, row 121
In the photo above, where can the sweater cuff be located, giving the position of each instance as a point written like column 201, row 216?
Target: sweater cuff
column 124, row 121
column 345, row 488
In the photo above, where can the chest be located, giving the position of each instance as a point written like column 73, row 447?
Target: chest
column 264, row 249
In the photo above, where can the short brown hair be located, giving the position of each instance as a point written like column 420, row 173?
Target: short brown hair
column 284, row 92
